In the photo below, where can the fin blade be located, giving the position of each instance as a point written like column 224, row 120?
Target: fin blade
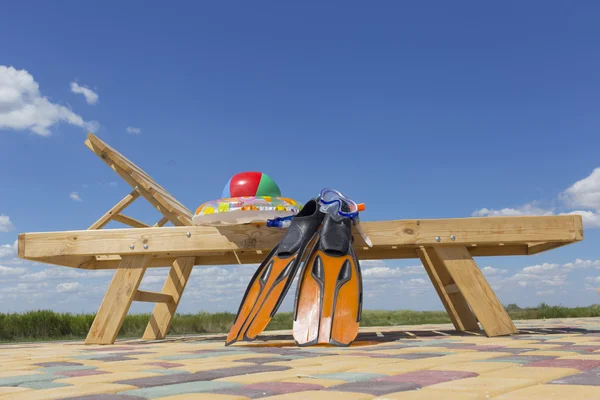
column 262, row 298
column 346, row 306
column 308, row 302
column 329, row 295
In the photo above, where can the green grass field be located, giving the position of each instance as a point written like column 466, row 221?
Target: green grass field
column 49, row 325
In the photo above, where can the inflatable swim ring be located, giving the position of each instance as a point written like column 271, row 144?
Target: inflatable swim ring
column 245, row 209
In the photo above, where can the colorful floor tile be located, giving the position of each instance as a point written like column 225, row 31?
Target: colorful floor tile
column 546, row 359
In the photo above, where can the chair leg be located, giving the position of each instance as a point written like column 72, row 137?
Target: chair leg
column 469, row 280
column 163, row 313
column 455, row 304
column 118, row 299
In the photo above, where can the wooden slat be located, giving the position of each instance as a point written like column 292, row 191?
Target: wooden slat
column 163, row 313
column 487, row 231
column 117, row 300
column 161, row 222
column 252, row 257
column 132, row 168
column 540, row 247
column 115, row 210
column 152, row 297
column 455, row 304
column 451, row 289
column 124, row 219
column 476, row 290
column 135, row 176
column 177, row 218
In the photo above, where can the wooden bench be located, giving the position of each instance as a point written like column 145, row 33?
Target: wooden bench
column 446, row 248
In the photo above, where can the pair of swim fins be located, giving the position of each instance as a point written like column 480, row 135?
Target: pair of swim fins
column 328, row 301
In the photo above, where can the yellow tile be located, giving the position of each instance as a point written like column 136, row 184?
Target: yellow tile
column 549, row 353
column 6, row 374
column 539, row 374
column 584, row 357
column 314, row 381
column 553, row 392
column 400, row 367
column 260, row 377
column 72, row 391
column 488, row 386
column 202, row 396
column 540, row 346
column 428, row 394
column 473, row 356
column 207, row 366
column 18, row 366
column 321, row 395
column 8, row 390
column 351, row 362
column 477, row 367
column 324, row 369
column 323, row 360
column 105, row 378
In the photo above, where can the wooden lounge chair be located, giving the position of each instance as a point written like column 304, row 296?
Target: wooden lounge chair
column 446, row 248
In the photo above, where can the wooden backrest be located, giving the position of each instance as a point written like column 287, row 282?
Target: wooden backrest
column 158, row 196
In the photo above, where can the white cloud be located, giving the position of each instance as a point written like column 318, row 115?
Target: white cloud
column 23, row 107
column 75, row 196
column 526, row 209
column 491, row 271
column 9, row 250
column 387, row 272
column 583, row 198
column 544, row 292
column 584, row 193
column 540, row 268
column 62, row 272
column 134, row 130
column 5, row 224
column 545, row 277
column 10, row 271
column 593, row 279
column 25, row 288
column 90, row 96
column 583, row 264
column 68, row 287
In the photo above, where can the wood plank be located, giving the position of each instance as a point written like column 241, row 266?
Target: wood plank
column 455, row 304
column 476, row 290
column 163, row 313
column 117, row 300
column 251, row 257
column 124, row 219
column 535, row 248
column 451, row 289
column 115, row 210
column 152, row 297
column 161, row 222
column 486, row 231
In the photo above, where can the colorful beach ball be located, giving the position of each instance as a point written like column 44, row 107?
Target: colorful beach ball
column 251, row 184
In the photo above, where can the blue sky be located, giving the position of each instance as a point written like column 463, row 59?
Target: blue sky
column 423, row 110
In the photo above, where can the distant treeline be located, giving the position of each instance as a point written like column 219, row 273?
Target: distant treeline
column 50, row 325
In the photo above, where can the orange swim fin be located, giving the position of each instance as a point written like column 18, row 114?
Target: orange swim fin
column 274, row 276
column 328, row 304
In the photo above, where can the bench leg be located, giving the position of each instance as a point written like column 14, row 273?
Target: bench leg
column 454, row 302
column 118, row 299
column 470, row 282
column 163, row 313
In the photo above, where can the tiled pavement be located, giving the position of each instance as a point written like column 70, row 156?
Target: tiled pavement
column 552, row 359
